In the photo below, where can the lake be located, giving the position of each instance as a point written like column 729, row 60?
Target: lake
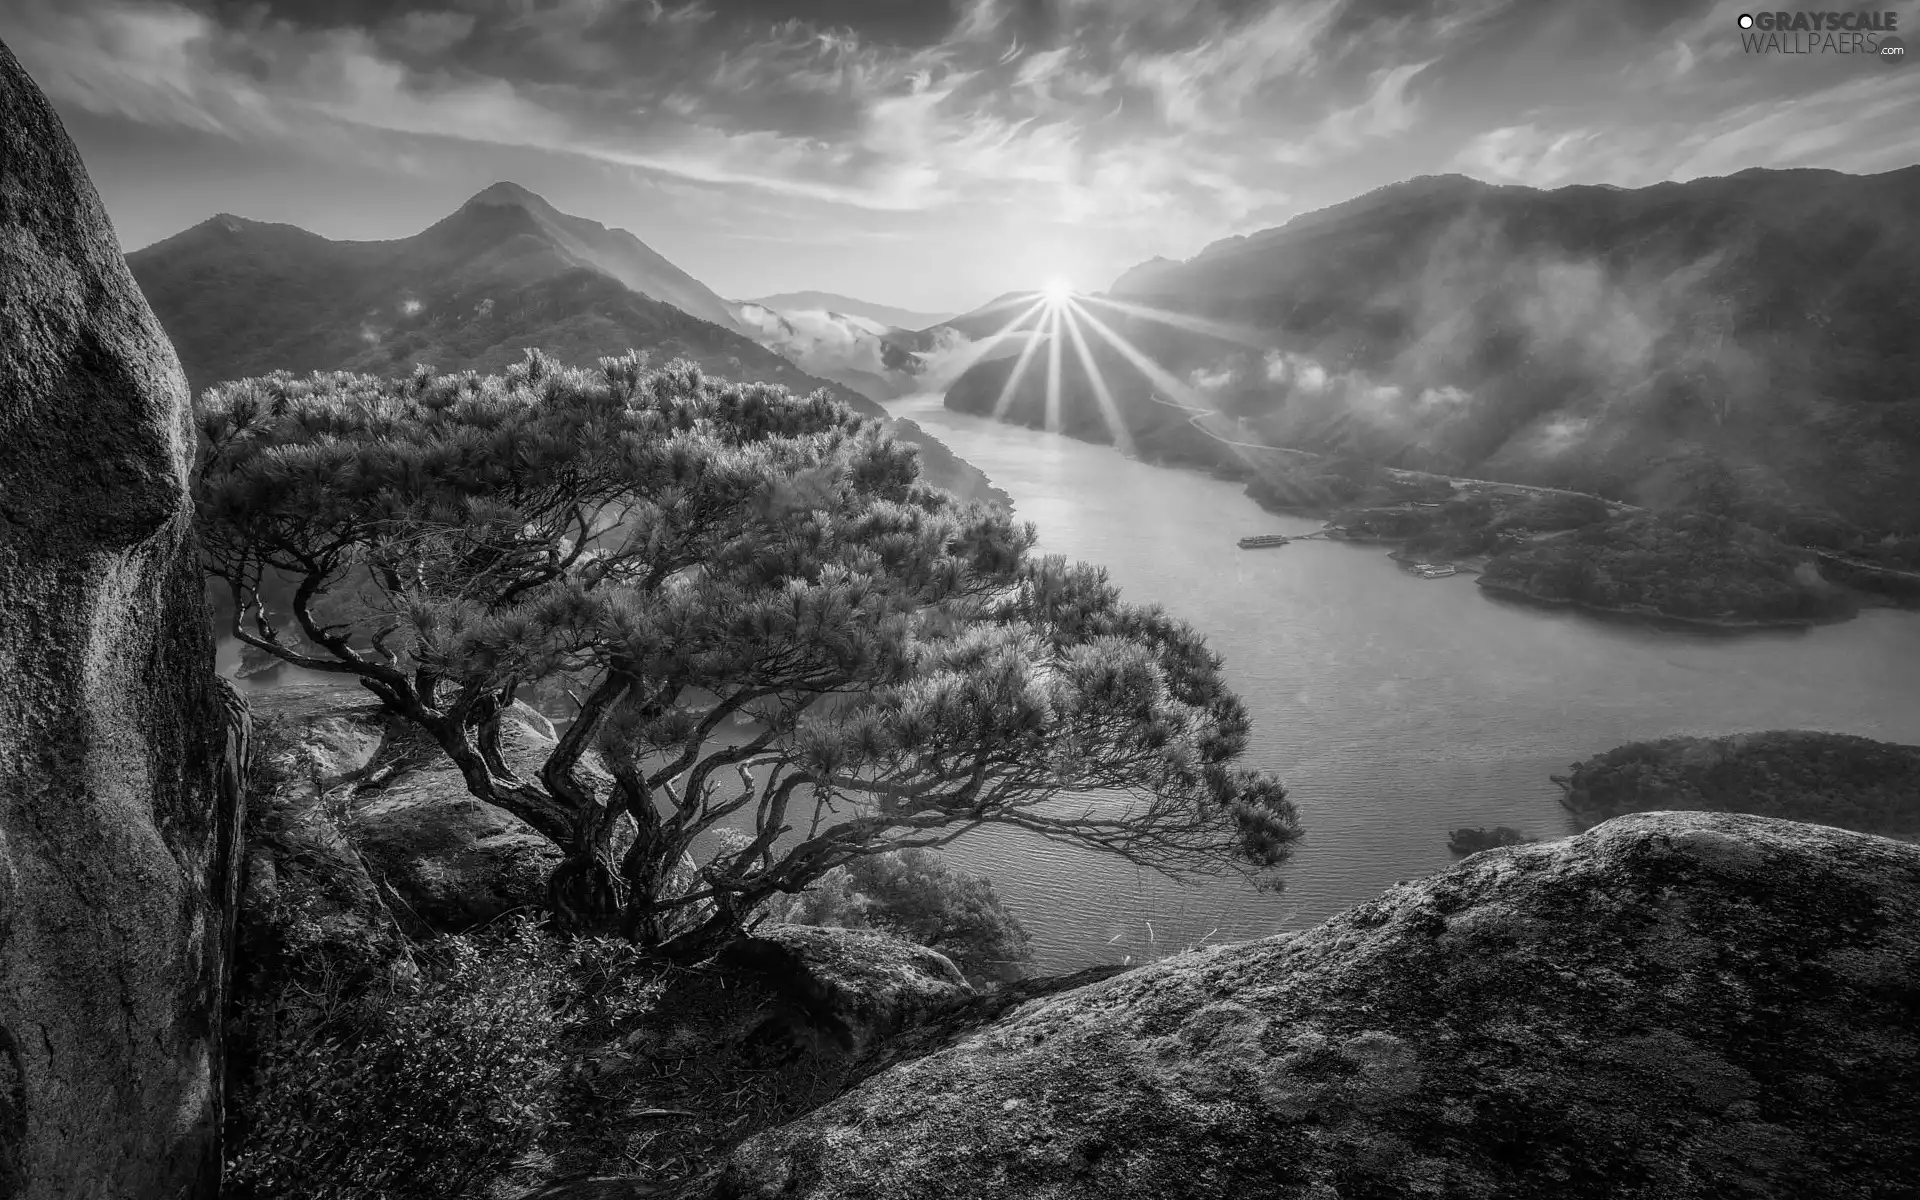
column 1396, row 708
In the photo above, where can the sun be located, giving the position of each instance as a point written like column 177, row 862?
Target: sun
column 1058, row 291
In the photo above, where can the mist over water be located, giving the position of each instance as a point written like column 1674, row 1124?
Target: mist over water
column 1396, row 708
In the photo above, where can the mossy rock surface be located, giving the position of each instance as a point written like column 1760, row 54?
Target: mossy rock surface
column 1670, row 1005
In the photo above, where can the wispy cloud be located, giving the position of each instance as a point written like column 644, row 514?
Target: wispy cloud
column 1820, row 129
column 1155, row 124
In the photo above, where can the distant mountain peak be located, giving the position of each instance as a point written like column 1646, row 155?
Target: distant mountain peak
column 507, row 192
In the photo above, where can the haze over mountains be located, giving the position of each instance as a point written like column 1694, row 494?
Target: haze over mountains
column 1748, row 343
column 879, row 361
column 504, row 273
column 885, row 315
column 857, row 352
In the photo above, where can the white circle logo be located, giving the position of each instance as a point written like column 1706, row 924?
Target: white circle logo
column 1746, row 20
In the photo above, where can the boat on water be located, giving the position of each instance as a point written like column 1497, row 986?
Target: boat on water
column 1435, row 570
column 1258, row 541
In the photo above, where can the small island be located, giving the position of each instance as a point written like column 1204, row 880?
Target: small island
column 1825, row 778
column 1574, row 550
column 1717, row 566
column 1689, row 567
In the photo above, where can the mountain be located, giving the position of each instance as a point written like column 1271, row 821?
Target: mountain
column 886, row 315
column 1146, row 277
column 932, row 358
column 612, row 252
column 1746, row 344
column 504, row 273
column 984, row 321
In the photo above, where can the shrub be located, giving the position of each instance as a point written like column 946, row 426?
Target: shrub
column 918, row 895
column 400, row 1091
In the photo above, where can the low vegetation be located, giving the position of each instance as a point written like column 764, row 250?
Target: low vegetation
column 364, row 1082
column 1825, row 778
column 1315, row 484
column 916, row 894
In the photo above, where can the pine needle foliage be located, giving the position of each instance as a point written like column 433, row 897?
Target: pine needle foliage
column 752, row 613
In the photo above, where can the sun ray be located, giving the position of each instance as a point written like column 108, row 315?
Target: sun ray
column 1010, row 300
column 1156, row 374
column 980, row 349
column 1181, row 396
column 1241, row 335
column 1053, row 370
column 1013, row 380
column 1109, row 409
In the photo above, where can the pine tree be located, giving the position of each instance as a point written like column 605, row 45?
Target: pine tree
column 757, row 615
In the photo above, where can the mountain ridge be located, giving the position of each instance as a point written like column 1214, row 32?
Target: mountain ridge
column 501, row 274
column 1744, row 343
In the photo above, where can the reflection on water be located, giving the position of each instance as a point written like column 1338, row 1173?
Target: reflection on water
column 1396, row 708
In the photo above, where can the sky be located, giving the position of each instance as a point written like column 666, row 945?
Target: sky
column 922, row 153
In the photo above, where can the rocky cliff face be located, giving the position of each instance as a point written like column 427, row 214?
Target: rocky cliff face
column 121, row 756
column 1670, row 1005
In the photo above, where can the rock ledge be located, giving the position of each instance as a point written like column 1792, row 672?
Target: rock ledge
column 1670, row 1005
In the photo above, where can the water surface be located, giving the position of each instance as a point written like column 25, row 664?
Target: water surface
column 1396, row 708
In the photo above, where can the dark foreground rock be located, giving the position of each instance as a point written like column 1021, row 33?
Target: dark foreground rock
column 850, row 987
column 121, row 756
column 1670, row 1005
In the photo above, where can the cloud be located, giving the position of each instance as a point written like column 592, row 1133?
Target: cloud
column 1212, row 379
column 1443, row 397
column 428, row 33
column 1157, row 125
column 1297, row 371
column 819, row 341
column 1384, row 112
column 1211, row 84
column 787, row 107
column 1526, row 154
column 142, row 64
column 1823, row 128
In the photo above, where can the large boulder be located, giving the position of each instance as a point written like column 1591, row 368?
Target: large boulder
column 455, row 860
column 121, row 756
column 1670, row 1005
column 363, row 829
column 850, row 987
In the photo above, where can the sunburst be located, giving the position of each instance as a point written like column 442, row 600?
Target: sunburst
column 1060, row 313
